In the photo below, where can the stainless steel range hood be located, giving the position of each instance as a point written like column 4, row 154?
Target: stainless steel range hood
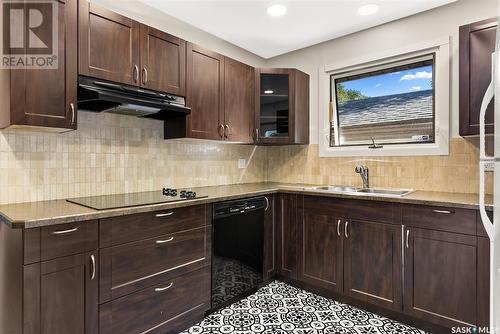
column 104, row 96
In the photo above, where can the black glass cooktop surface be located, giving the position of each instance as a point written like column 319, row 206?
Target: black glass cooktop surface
column 106, row 202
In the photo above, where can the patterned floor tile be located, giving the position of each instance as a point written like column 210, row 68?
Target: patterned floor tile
column 279, row 308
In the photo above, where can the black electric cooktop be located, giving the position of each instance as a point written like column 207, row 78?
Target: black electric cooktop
column 105, row 202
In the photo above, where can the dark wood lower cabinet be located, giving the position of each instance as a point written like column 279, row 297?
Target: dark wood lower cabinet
column 61, row 296
column 270, row 238
column 288, row 235
column 440, row 277
column 372, row 263
column 163, row 308
column 321, row 250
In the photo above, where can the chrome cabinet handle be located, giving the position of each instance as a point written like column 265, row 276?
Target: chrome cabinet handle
column 447, row 212
column 159, row 242
column 345, row 229
column 338, row 227
column 267, row 203
column 221, row 130
column 164, row 288
column 162, row 215
column 72, row 106
column 228, row 132
column 136, row 73
column 407, row 238
column 71, row 230
column 93, row 267
column 144, row 75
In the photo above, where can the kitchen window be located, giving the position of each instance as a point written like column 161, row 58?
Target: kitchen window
column 392, row 106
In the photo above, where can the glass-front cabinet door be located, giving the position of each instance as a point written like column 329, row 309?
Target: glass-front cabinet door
column 274, row 110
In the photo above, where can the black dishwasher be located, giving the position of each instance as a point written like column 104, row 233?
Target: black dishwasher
column 238, row 249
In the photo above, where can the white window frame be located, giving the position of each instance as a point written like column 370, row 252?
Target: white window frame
column 441, row 49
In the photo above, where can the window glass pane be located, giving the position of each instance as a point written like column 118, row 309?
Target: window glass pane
column 393, row 105
column 274, row 105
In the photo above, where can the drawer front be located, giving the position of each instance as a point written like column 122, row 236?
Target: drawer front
column 168, row 307
column 440, row 218
column 134, row 266
column 120, row 230
column 67, row 239
column 354, row 209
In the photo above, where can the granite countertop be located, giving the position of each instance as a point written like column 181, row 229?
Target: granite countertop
column 43, row 213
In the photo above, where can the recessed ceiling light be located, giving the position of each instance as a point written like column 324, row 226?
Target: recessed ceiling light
column 268, row 91
column 276, row 10
column 368, row 9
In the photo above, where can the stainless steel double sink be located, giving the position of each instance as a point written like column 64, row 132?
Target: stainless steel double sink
column 391, row 192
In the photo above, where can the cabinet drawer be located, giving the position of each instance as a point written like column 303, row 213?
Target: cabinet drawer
column 120, row 230
column 168, row 307
column 137, row 265
column 67, row 239
column 440, row 218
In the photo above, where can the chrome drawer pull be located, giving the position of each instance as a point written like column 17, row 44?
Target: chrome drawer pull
column 338, row 227
column 446, row 212
column 345, row 229
column 161, row 215
column 65, row 231
column 267, row 203
column 164, row 241
column 92, row 261
column 407, row 238
column 165, row 288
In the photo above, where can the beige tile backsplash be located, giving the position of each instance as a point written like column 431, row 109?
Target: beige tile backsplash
column 116, row 154
column 457, row 172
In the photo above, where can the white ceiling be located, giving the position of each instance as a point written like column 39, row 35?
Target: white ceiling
column 246, row 23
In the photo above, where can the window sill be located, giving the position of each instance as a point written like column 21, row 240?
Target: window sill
column 388, row 150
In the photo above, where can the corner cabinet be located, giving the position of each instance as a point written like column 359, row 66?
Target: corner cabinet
column 282, row 106
column 45, row 98
column 477, row 43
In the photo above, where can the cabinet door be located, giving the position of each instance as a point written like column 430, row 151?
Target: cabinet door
column 205, row 76
column 47, row 97
column 440, row 277
column 270, row 236
column 239, row 98
column 477, row 43
column 274, row 115
column 62, row 296
column 321, row 249
column 163, row 61
column 288, row 236
column 372, row 263
column 108, row 44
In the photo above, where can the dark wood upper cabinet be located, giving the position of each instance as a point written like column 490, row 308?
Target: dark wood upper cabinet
column 373, row 263
column 45, row 97
column 204, row 93
column 239, row 101
column 163, row 61
column 281, row 106
column 321, row 248
column 477, row 43
column 440, row 277
column 108, row 44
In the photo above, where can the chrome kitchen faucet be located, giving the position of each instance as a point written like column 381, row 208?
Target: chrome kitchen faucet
column 363, row 171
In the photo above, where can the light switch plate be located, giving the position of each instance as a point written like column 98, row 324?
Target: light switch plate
column 242, row 163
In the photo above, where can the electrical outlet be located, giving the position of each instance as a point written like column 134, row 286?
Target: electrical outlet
column 242, row 163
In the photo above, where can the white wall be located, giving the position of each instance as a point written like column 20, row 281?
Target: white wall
column 162, row 21
column 426, row 26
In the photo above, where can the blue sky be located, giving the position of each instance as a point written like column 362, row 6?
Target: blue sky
column 416, row 79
